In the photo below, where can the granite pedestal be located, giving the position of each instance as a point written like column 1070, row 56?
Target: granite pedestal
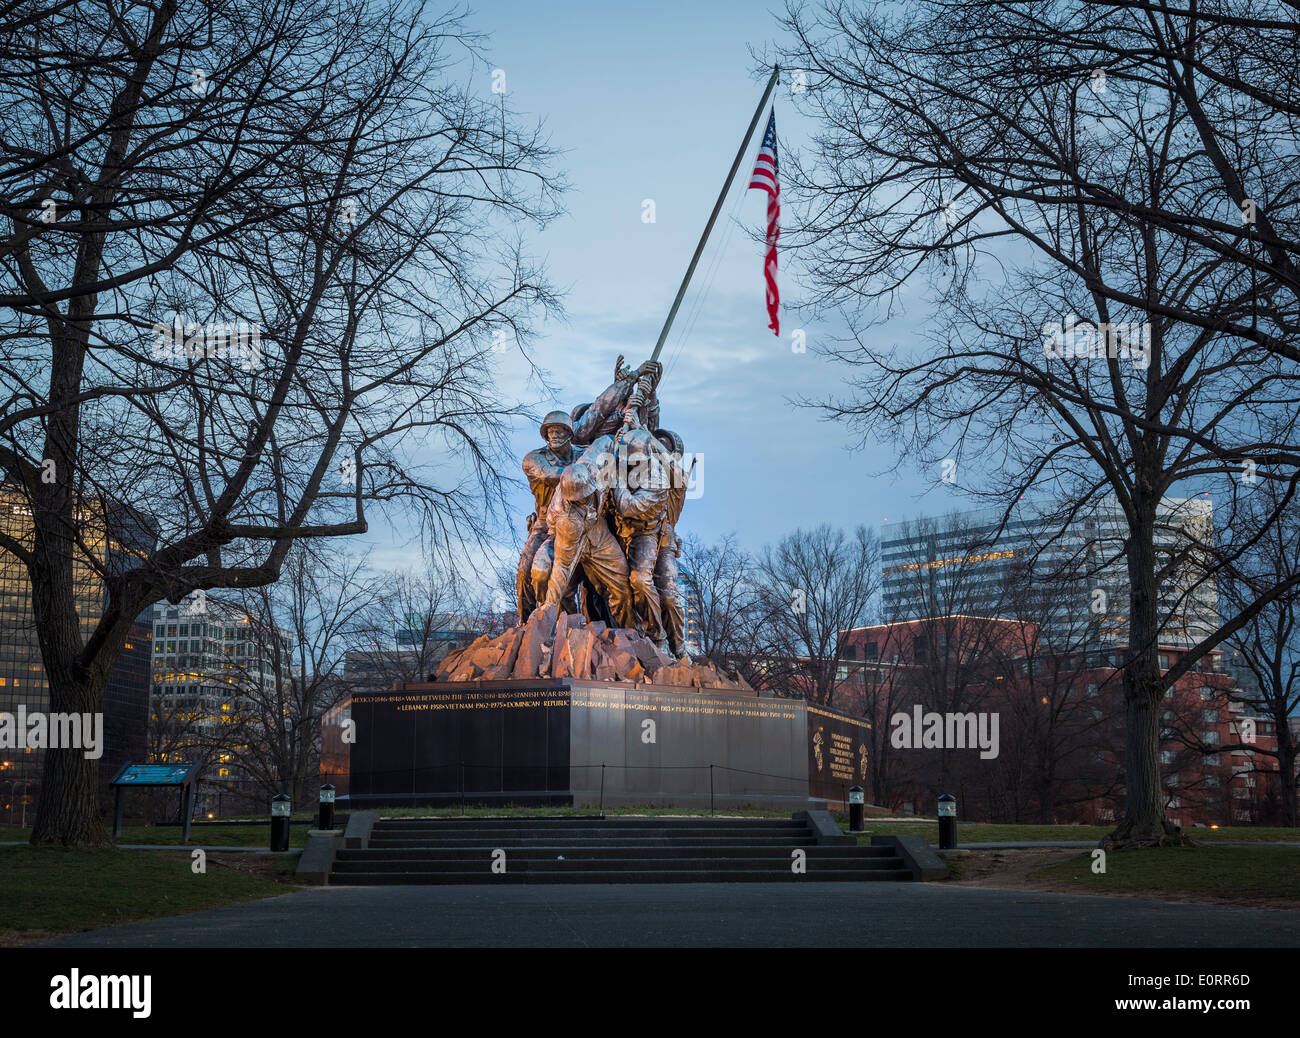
column 584, row 742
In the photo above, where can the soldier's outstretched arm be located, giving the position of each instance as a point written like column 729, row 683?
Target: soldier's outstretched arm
column 609, row 401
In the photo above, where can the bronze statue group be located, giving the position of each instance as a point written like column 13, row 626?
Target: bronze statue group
column 609, row 486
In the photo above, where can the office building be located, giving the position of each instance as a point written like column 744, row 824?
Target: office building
column 973, row 564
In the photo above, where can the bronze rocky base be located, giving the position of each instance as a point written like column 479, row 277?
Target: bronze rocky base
column 567, row 646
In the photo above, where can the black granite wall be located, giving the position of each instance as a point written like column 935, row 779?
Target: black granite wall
column 518, row 740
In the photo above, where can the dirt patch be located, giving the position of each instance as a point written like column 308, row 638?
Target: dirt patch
column 260, row 865
column 1015, row 870
column 1008, row 869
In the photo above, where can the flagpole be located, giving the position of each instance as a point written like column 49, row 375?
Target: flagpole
column 717, row 207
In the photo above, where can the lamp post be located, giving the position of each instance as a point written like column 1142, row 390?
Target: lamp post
column 280, row 806
column 857, row 798
column 947, row 822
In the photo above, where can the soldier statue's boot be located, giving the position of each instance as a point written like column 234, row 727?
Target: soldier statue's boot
column 676, row 647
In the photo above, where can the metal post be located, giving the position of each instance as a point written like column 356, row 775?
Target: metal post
column 280, row 806
column 462, row 789
column 326, row 820
column 710, row 790
column 856, row 809
column 717, row 207
column 187, row 805
column 947, row 822
column 602, row 789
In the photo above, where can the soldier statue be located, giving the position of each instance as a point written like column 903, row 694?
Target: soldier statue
column 645, row 507
column 582, row 535
column 608, row 489
column 543, row 468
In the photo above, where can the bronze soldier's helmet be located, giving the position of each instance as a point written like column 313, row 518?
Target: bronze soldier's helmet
column 671, row 440
column 556, row 418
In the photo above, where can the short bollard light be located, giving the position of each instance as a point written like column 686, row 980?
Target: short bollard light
column 947, row 822
column 280, row 805
column 326, row 807
column 856, row 800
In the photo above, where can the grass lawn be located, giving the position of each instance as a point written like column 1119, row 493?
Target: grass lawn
column 258, row 835
column 982, row 833
column 1265, row 872
column 53, row 890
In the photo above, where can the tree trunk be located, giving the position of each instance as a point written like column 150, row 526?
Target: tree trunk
column 68, row 812
column 1144, row 823
column 1286, row 754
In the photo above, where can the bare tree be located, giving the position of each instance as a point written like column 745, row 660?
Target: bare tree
column 255, row 259
column 416, row 618
column 1268, row 648
column 945, row 587
column 812, row 587
column 720, row 584
column 1097, row 329
column 301, row 629
column 179, row 730
column 888, row 685
column 1054, row 733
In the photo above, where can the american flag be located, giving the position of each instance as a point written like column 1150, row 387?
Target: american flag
column 764, row 178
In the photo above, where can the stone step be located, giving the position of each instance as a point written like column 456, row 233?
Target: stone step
column 567, row 864
column 702, row 875
column 519, row 840
column 588, row 831
column 613, row 850
column 592, row 822
column 593, row 850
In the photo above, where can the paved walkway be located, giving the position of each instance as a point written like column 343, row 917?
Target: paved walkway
column 684, row 915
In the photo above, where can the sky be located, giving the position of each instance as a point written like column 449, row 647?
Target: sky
column 650, row 101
